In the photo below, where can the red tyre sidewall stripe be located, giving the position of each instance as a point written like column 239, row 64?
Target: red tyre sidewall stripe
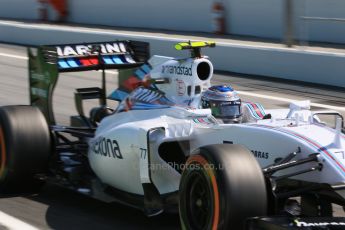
column 205, row 164
column 3, row 151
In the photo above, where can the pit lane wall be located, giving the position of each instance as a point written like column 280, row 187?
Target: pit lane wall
column 282, row 63
column 263, row 18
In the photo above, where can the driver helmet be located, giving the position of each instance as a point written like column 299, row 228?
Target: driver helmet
column 223, row 101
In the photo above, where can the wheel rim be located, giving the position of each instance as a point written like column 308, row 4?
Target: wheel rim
column 199, row 202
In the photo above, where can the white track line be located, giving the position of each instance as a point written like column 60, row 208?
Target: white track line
column 26, row 58
column 13, row 56
column 240, row 92
column 13, row 223
column 111, row 72
column 290, row 100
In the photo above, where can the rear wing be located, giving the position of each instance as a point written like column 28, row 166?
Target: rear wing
column 95, row 56
column 46, row 62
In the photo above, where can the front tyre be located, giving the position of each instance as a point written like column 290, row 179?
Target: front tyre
column 222, row 185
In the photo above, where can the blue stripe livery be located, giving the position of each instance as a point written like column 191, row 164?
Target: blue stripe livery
column 108, row 60
column 140, row 74
column 146, row 68
column 72, row 62
column 63, row 64
column 117, row 60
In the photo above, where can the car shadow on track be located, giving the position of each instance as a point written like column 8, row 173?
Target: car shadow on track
column 69, row 210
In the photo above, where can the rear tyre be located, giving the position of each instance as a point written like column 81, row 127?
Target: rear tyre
column 25, row 146
column 222, row 185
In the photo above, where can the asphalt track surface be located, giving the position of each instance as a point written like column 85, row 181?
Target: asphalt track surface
column 58, row 208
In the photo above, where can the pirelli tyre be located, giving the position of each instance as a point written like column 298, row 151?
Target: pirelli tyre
column 25, row 146
column 221, row 186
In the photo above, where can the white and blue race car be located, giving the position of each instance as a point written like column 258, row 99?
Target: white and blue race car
column 164, row 149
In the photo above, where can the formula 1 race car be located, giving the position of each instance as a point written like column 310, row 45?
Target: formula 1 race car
column 162, row 150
